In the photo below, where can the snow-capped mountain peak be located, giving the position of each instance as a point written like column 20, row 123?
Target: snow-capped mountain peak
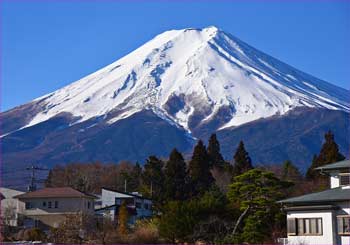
column 190, row 77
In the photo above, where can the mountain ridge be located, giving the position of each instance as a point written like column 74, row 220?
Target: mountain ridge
column 159, row 75
column 181, row 86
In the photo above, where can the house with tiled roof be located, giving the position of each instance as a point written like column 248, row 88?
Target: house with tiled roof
column 48, row 207
column 321, row 217
column 139, row 207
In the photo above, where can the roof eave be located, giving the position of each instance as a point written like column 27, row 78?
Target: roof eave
column 331, row 169
column 37, row 197
column 126, row 193
column 312, row 207
column 313, row 201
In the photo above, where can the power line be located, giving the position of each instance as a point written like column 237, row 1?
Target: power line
column 33, row 168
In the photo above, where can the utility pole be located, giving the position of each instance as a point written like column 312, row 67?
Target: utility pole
column 32, row 185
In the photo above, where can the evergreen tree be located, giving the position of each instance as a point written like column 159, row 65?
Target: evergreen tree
column 329, row 154
column 242, row 161
column 215, row 218
column 175, row 177
column 199, row 170
column 178, row 220
column 254, row 230
column 123, row 219
column 48, row 181
column 214, row 152
column 255, row 192
column 290, row 172
column 135, row 178
column 330, row 151
column 311, row 173
column 153, row 178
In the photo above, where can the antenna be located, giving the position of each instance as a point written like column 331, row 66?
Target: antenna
column 33, row 168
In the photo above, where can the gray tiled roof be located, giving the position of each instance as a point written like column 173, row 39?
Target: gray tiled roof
column 327, row 196
column 338, row 165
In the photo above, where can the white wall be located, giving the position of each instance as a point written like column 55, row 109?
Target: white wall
column 65, row 205
column 334, row 177
column 327, row 228
column 10, row 203
column 53, row 216
column 108, row 197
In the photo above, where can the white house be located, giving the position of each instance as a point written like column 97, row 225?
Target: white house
column 48, row 207
column 322, row 217
column 138, row 207
column 9, row 213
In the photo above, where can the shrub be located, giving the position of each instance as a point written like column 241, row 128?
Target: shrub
column 34, row 234
column 146, row 231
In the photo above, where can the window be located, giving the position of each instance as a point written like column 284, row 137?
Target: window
column 138, row 205
column 304, row 226
column 44, row 204
column 291, row 227
column 88, row 205
column 28, row 205
column 49, row 205
column 344, row 179
column 145, row 205
column 343, row 224
column 56, row 204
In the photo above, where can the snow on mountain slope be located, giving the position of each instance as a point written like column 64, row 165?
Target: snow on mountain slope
column 193, row 73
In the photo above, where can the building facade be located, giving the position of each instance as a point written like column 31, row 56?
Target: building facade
column 9, row 206
column 49, row 207
column 138, row 206
column 322, row 217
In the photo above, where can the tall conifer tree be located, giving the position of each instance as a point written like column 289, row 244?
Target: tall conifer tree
column 153, row 177
column 329, row 154
column 214, row 151
column 330, row 151
column 175, row 177
column 242, row 161
column 311, row 173
column 135, row 178
column 290, row 172
column 199, row 170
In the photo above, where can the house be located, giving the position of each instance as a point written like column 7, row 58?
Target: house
column 9, row 213
column 48, row 207
column 112, row 212
column 138, row 207
column 322, row 217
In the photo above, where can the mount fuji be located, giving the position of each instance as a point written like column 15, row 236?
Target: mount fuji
column 180, row 86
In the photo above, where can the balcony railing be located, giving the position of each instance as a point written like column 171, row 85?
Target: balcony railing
column 282, row 241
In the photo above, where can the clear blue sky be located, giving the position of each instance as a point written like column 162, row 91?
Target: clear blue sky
column 49, row 44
